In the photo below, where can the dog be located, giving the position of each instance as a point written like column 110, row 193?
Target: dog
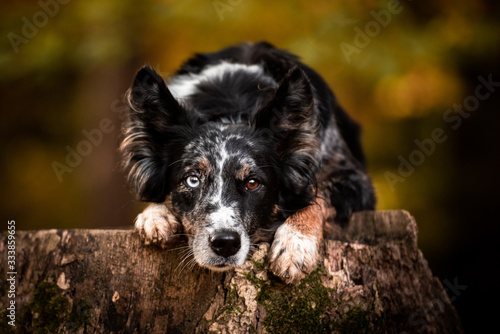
column 241, row 146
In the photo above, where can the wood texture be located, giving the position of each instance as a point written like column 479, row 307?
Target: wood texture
column 372, row 279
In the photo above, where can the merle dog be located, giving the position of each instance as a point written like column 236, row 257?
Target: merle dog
column 243, row 145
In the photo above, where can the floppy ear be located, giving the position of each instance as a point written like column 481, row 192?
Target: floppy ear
column 151, row 130
column 291, row 118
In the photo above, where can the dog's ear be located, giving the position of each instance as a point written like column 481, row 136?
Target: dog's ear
column 152, row 135
column 290, row 117
column 152, row 102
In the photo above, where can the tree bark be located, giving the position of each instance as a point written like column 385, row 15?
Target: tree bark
column 372, row 279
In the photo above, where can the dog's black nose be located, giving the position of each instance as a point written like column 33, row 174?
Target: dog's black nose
column 225, row 243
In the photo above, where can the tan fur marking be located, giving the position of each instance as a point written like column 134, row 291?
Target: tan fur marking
column 243, row 173
column 276, row 212
column 309, row 221
column 204, row 166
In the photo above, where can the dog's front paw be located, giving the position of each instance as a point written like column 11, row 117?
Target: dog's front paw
column 295, row 249
column 293, row 254
column 156, row 225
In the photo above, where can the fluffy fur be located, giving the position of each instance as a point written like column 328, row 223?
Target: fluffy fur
column 243, row 145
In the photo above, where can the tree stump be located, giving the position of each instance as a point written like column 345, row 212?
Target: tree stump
column 373, row 279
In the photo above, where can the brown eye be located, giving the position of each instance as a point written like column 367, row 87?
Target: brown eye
column 253, row 184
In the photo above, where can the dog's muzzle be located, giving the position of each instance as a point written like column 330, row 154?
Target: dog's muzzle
column 225, row 243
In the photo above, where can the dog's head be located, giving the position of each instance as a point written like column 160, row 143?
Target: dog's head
column 229, row 184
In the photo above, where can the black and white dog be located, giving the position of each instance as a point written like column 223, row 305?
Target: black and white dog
column 239, row 146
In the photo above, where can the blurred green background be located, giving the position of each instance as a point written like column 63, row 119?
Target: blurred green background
column 396, row 67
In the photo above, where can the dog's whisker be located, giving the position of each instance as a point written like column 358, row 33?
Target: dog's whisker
column 177, row 248
column 175, row 162
column 188, row 253
column 192, row 263
column 189, row 264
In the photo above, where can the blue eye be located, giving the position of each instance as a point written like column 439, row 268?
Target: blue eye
column 192, row 181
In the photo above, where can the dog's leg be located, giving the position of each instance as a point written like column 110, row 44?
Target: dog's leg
column 349, row 191
column 295, row 249
column 157, row 225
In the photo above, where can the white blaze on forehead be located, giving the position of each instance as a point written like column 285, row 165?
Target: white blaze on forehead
column 219, row 182
column 184, row 85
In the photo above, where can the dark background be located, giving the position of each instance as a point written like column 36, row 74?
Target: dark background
column 65, row 67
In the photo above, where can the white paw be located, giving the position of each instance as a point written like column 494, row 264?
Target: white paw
column 293, row 254
column 156, row 225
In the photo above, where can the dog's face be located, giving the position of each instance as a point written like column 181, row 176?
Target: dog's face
column 224, row 189
column 230, row 185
